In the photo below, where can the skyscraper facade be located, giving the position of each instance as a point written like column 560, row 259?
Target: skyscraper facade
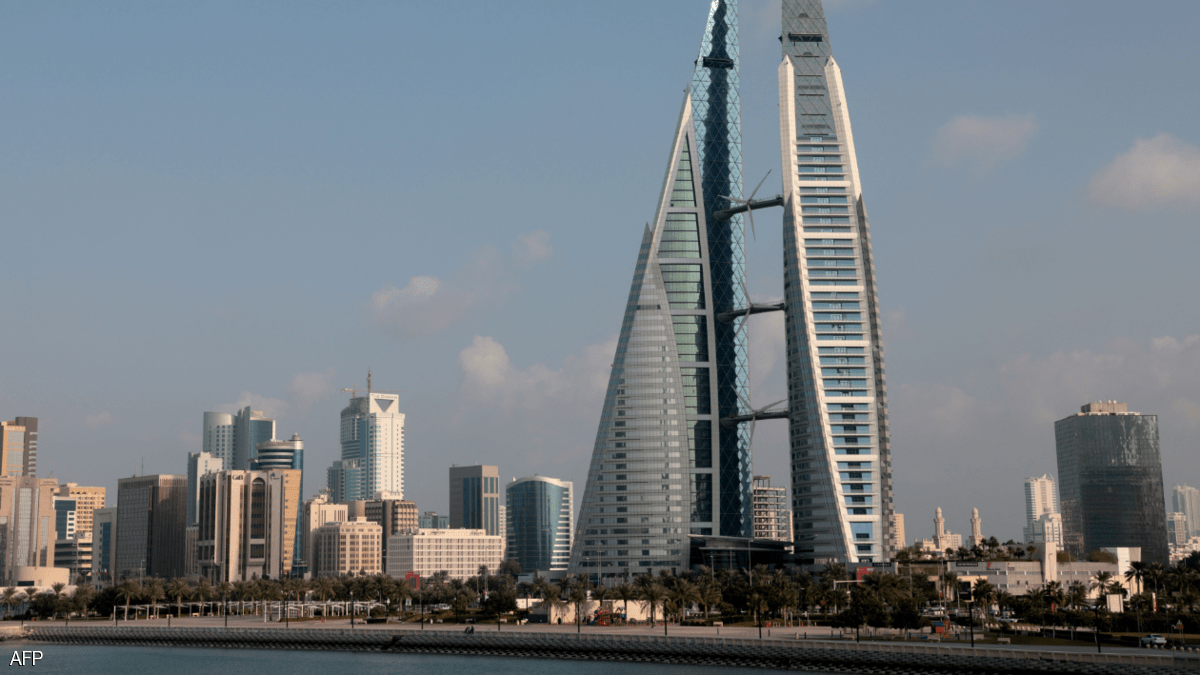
column 200, row 464
column 772, row 514
column 151, row 527
column 250, row 428
column 218, row 439
column 372, row 437
column 1043, row 520
column 1111, row 485
column 838, row 416
column 28, row 524
column 539, row 523
column 18, row 446
column 1186, row 500
column 87, row 500
column 247, row 524
column 475, row 498
column 663, row 465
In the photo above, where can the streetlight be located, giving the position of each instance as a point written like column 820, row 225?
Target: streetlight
column 351, row 611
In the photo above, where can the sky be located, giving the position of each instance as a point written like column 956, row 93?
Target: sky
column 207, row 206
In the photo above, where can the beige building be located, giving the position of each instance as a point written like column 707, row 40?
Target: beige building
column 458, row 552
column 18, row 447
column 87, row 500
column 347, row 547
column 898, row 531
column 27, row 521
column 247, row 524
column 392, row 514
column 318, row 511
column 772, row 515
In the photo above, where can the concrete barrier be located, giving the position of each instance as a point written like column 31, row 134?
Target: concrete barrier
column 778, row 653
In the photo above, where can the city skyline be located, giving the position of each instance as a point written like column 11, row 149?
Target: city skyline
column 982, row 359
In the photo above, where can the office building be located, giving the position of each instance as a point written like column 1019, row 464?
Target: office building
column 219, row 438
column 18, row 446
column 1186, row 500
column 64, row 517
column 1177, row 530
column 1041, row 499
column 200, row 464
column 430, row 520
column 898, row 531
column 672, row 450
column 838, row 415
column 392, row 515
column 104, row 544
column 459, row 552
column 1048, row 528
column 247, row 524
column 772, row 513
column 250, row 428
column 347, row 547
column 75, row 554
column 372, row 438
column 27, row 526
column 277, row 454
column 1110, row 481
column 87, row 500
column 475, row 498
column 539, row 523
column 151, row 527
column 318, row 511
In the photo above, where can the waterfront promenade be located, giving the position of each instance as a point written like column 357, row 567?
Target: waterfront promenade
column 786, row 649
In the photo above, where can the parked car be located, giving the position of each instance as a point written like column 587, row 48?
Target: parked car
column 1154, row 640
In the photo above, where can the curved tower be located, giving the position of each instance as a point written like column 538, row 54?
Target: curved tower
column 838, row 421
column 663, row 466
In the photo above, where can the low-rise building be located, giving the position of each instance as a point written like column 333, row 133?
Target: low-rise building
column 347, row 547
column 390, row 513
column 458, row 552
column 1019, row 577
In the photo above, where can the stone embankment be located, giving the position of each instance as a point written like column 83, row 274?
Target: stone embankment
column 779, row 654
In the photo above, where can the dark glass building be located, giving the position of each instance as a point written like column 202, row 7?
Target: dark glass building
column 539, row 523
column 1110, row 481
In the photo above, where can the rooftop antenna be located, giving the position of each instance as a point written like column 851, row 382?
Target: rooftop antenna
column 368, row 382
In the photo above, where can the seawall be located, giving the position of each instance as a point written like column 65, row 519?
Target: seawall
column 781, row 654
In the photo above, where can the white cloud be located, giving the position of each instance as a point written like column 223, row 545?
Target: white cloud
column 98, row 420
column 1161, row 171
column 983, row 141
column 428, row 304
column 308, row 388
column 532, row 248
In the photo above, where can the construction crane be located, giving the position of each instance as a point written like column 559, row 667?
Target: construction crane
column 353, row 389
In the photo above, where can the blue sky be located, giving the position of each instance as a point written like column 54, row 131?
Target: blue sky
column 205, row 206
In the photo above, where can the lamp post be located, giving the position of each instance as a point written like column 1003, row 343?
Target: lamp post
column 225, row 609
column 971, row 619
column 1097, row 630
column 351, row 611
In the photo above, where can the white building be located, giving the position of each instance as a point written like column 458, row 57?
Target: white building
column 459, row 552
column 1042, row 520
column 347, row 547
column 247, row 524
column 318, row 511
column 372, row 433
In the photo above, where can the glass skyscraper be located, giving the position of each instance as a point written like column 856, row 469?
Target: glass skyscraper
column 372, row 438
column 663, row 466
column 838, row 422
column 539, row 523
column 1110, row 481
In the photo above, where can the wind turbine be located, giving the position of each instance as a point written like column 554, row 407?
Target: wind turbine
column 749, row 207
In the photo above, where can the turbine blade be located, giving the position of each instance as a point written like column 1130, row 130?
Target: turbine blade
column 759, row 185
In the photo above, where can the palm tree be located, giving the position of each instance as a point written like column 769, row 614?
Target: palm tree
column 577, row 595
column 128, row 590
column 625, row 592
column 552, row 601
column 56, row 589
column 9, row 598
column 1136, row 572
column 1077, row 594
column 155, row 592
column 203, row 591
column 82, row 598
column 709, row 594
column 652, row 594
column 177, row 588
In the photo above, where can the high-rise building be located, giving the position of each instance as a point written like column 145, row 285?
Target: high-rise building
column 392, row 515
column 87, row 500
column 838, row 416
column 1177, row 531
column 18, row 446
column 1186, row 500
column 104, row 544
column 475, row 498
column 1110, row 481
column 1048, row 528
column 347, row 547
column 430, row 520
column 539, row 523
column 27, row 525
column 1041, row 498
column 672, row 452
column 277, row 454
column 318, row 511
column 898, row 531
column 372, row 437
column 200, row 464
column 151, row 527
column 250, row 428
column 75, row 555
column 219, row 441
column 772, row 514
column 64, row 517
column 247, row 524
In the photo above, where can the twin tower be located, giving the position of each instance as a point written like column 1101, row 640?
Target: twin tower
column 671, row 466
